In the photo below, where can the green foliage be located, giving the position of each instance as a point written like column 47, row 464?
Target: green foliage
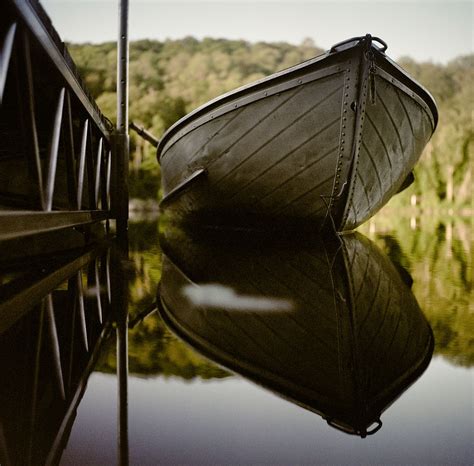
column 153, row 349
column 438, row 255
column 171, row 78
column 97, row 65
column 443, row 177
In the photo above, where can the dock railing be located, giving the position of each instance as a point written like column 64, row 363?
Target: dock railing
column 58, row 169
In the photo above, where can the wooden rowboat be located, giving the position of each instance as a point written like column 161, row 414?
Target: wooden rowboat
column 333, row 327
column 326, row 142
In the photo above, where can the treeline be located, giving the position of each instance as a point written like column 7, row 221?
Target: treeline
column 153, row 349
column 169, row 79
column 438, row 256
column 444, row 174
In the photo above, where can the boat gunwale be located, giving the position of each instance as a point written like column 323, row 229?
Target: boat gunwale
column 232, row 94
column 382, row 60
column 411, row 83
column 382, row 73
column 249, row 98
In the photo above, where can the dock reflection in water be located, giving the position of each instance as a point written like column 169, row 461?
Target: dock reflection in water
column 330, row 325
column 55, row 315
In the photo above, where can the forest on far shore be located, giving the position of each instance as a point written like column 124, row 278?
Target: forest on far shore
column 169, row 79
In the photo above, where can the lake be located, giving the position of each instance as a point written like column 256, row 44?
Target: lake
column 354, row 350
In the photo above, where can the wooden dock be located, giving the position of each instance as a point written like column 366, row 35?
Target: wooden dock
column 63, row 204
column 59, row 163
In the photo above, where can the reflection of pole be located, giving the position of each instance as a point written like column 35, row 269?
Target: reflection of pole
column 34, row 390
column 53, row 333
column 120, row 305
column 98, row 288
column 122, row 140
column 82, row 312
column 122, row 374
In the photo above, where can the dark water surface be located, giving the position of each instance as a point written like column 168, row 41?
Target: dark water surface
column 369, row 328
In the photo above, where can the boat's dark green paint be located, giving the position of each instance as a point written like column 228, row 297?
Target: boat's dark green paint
column 327, row 142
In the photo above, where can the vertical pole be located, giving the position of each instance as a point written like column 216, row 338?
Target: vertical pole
column 34, row 388
column 120, row 306
column 98, row 170
column 82, row 164
column 121, row 212
column 5, row 55
column 54, row 150
column 122, row 140
column 70, row 155
column 32, row 136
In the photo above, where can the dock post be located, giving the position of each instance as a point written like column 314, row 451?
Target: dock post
column 121, row 192
column 122, row 135
column 119, row 277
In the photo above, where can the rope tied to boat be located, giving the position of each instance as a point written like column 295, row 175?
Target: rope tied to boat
column 369, row 54
column 372, row 72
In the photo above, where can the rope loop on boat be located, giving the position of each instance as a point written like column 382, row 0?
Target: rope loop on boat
column 368, row 39
column 382, row 43
column 377, row 427
column 362, row 432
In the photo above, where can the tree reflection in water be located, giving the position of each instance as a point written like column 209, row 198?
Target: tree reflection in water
column 51, row 338
column 351, row 339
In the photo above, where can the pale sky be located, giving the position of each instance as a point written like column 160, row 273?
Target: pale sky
column 422, row 29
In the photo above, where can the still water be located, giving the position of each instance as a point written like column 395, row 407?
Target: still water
column 351, row 351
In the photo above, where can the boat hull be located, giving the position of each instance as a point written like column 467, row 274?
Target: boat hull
column 328, row 325
column 326, row 143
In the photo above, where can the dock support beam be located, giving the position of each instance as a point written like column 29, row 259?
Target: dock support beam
column 122, row 138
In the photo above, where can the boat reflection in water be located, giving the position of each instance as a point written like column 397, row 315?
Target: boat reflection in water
column 55, row 315
column 330, row 325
